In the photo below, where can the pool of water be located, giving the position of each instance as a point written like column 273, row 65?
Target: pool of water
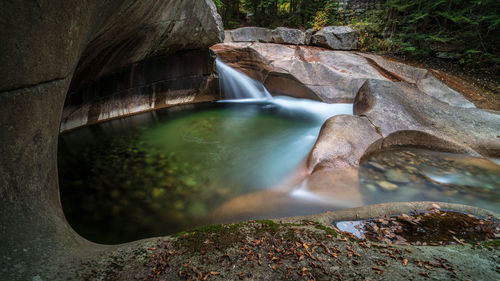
column 165, row 171
column 423, row 175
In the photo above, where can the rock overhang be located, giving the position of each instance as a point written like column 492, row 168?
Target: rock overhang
column 46, row 47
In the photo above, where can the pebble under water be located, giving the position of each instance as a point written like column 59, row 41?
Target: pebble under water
column 423, row 175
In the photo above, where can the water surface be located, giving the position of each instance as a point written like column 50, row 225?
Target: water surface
column 165, row 171
column 423, row 175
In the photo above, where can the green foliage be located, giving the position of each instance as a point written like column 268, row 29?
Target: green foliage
column 463, row 29
column 272, row 13
column 371, row 29
column 219, row 4
column 324, row 17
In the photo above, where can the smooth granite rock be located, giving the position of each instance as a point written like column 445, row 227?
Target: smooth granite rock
column 329, row 76
column 399, row 108
column 284, row 35
column 341, row 143
column 251, row 34
column 336, row 38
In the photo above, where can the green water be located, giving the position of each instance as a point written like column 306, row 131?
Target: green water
column 162, row 172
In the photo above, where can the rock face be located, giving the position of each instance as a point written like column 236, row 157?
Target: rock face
column 47, row 45
column 336, row 38
column 309, row 33
column 151, row 84
column 329, row 76
column 396, row 105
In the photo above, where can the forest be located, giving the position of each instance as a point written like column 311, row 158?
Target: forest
column 463, row 31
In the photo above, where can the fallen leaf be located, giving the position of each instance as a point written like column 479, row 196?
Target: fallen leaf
column 436, row 206
column 425, row 274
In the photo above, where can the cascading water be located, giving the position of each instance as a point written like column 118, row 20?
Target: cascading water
column 236, row 85
column 238, row 88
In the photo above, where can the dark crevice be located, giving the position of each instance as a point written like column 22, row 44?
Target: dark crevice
column 386, row 73
column 33, row 85
column 377, row 128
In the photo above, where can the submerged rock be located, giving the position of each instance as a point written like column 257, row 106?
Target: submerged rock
column 45, row 47
column 387, row 185
column 336, row 38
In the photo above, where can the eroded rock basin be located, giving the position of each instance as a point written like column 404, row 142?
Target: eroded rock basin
column 170, row 170
column 165, row 171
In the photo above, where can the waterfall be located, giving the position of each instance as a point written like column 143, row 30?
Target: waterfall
column 235, row 85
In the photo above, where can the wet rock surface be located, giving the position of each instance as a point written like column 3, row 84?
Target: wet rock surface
column 420, row 175
column 342, row 141
column 100, row 38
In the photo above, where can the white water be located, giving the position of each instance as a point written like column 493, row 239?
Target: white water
column 236, row 85
column 239, row 88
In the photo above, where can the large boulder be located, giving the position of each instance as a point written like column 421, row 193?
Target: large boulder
column 423, row 79
column 394, row 107
column 283, row 35
column 280, row 35
column 336, row 38
column 251, row 34
column 342, row 142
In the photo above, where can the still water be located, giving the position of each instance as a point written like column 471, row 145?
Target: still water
column 423, row 175
column 165, row 171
